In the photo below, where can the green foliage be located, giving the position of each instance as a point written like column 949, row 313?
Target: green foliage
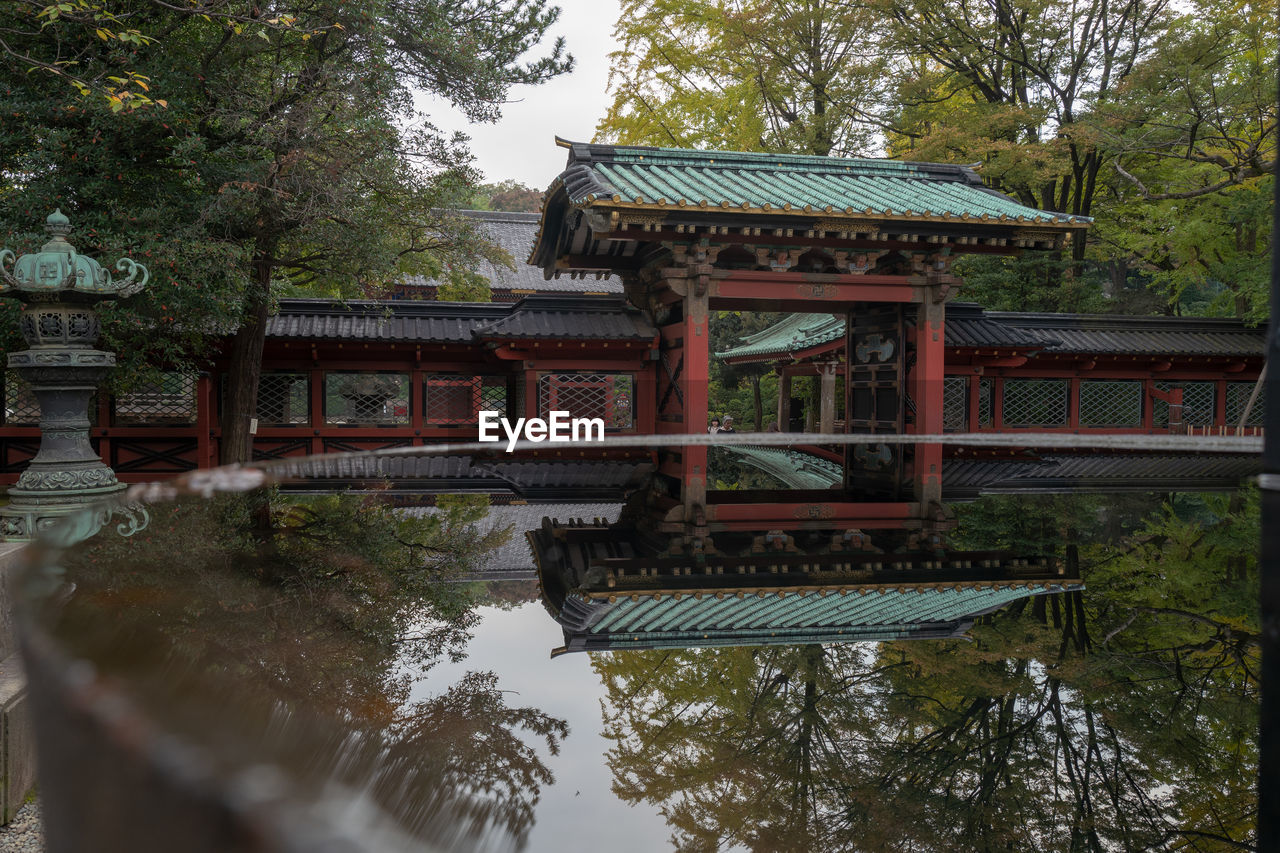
column 1033, row 281
column 1123, row 717
column 746, row 75
column 1158, row 120
column 465, row 286
column 509, row 195
column 288, row 153
column 745, row 391
column 1192, row 135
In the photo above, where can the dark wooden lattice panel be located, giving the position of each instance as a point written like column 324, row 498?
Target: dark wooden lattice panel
column 20, row 405
column 1111, row 403
column 607, row 396
column 458, row 400
column 985, row 407
column 170, row 401
column 1198, row 403
column 355, row 398
column 955, row 404
column 284, row 399
column 1238, row 398
column 1035, row 402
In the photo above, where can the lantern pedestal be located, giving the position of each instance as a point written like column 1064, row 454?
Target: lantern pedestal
column 66, row 493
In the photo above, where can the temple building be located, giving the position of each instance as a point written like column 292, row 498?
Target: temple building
column 633, row 252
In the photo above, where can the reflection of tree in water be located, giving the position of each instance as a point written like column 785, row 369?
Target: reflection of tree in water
column 333, row 608
column 1123, row 719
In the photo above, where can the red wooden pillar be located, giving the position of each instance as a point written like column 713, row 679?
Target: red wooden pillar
column 930, row 366
column 695, row 379
column 1073, row 403
column 928, row 394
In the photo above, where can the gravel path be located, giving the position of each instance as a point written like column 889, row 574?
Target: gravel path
column 25, row 834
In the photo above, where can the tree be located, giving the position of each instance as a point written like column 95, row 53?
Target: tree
column 510, row 196
column 287, row 148
column 1121, row 718
column 1192, row 141
column 1156, row 118
column 727, row 330
column 751, row 75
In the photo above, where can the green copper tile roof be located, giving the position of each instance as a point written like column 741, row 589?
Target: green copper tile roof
column 866, row 608
column 791, row 467
column 792, row 333
column 866, row 189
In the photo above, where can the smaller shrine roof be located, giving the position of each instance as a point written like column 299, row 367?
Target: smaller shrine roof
column 792, row 333
column 969, row 326
column 783, row 183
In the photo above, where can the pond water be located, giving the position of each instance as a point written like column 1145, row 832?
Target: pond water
column 1049, row 652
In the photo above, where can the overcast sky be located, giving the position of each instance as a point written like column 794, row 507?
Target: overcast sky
column 522, row 145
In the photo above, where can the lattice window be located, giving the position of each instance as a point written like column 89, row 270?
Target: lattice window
column 1238, row 397
column 609, row 396
column 984, row 402
column 284, row 399
column 20, row 405
column 1035, row 402
column 458, row 400
column 354, row 398
column 955, row 404
column 1110, row 403
column 169, row 401
column 1198, row 399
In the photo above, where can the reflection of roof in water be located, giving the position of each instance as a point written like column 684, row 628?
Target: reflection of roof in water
column 584, row 478
column 1100, row 473
column 793, row 468
column 865, row 612
column 608, row 588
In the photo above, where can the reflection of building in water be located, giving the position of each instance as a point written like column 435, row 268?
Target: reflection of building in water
column 609, row 589
column 785, row 553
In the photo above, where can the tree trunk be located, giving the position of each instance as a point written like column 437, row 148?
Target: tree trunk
column 240, row 403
